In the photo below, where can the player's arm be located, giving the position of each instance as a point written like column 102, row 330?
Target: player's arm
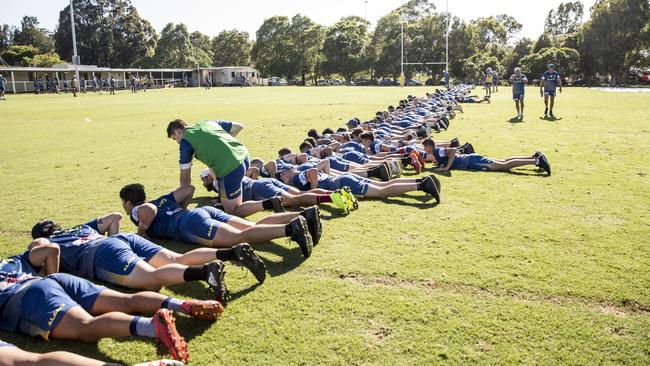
column 559, row 83
column 312, row 176
column 271, row 167
column 236, row 128
column 451, row 155
column 109, row 224
column 512, row 78
column 183, row 195
column 45, row 254
column 185, row 163
column 146, row 214
column 290, row 158
column 323, row 166
column 16, row 356
column 252, row 172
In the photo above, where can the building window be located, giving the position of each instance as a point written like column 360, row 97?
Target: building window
column 232, row 74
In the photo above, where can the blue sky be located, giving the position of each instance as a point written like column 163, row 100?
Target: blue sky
column 212, row 16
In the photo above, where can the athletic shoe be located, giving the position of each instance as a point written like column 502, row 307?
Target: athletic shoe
column 278, row 204
column 436, row 181
column 551, row 115
column 350, row 198
column 339, row 201
column 246, row 257
column 312, row 216
column 436, row 127
column 415, row 163
column 395, row 168
column 454, row 142
column 300, row 234
column 428, row 185
column 204, row 310
column 215, row 279
column 384, row 172
column 167, row 337
column 469, row 149
column 543, row 163
column 537, row 154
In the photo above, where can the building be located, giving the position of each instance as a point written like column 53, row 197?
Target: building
column 22, row 79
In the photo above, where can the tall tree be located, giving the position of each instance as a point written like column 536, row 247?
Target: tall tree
column 523, row 48
column 30, row 34
column 202, row 49
column 615, row 32
column 174, row 48
column 18, row 55
column 6, row 36
column 565, row 19
column 272, row 49
column 231, row 48
column 344, row 46
column 109, row 33
column 307, row 39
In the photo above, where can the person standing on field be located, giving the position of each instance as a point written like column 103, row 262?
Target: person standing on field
column 550, row 80
column 75, row 85
column 3, row 83
column 518, row 81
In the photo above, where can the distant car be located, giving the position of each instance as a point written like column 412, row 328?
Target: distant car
column 411, row 82
column 337, row 82
column 321, row 82
column 277, row 81
column 387, row 82
column 364, row 82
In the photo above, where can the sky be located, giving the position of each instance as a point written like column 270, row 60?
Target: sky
column 212, row 16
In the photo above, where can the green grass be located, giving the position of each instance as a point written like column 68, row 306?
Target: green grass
column 509, row 268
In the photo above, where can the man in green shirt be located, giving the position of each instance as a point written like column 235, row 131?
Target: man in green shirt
column 214, row 144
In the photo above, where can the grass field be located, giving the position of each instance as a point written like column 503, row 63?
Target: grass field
column 509, row 268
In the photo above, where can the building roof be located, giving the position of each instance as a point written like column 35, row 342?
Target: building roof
column 91, row 68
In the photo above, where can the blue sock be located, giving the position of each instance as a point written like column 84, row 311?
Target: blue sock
column 173, row 304
column 142, row 327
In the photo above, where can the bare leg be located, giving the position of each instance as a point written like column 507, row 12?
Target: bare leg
column 392, row 190
column 78, row 325
column 145, row 302
column 513, row 163
column 552, row 104
column 193, row 257
column 278, row 218
column 242, row 209
column 300, row 200
column 146, row 277
column 521, row 105
column 546, row 101
column 517, row 105
column 228, row 236
column 14, row 356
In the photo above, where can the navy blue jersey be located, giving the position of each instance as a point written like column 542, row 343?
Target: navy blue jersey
column 550, row 80
column 518, row 83
column 76, row 244
column 14, row 271
column 354, row 146
column 168, row 213
column 440, row 154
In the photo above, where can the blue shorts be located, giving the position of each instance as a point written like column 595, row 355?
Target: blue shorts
column 472, row 162
column 200, row 225
column 550, row 93
column 355, row 157
column 268, row 188
column 358, row 185
column 518, row 96
column 230, row 185
column 47, row 301
column 338, row 164
column 2, row 88
column 117, row 256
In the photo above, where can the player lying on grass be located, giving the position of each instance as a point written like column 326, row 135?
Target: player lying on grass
column 364, row 187
column 449, row 158
column 14, row 356
column 265, row 188
column 63, row 306
column 167, row 217
column 134, row 262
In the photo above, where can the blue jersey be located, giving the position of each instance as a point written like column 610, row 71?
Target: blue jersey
column 3, row 81
column 187, row 151
column 168, row 214
column 354, row 146
column 550, row 80
column 13, row 272
column 518, row 83
column 77, row 245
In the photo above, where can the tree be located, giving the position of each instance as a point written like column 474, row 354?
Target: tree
column 344, row 46
column 6, row 36
column 44, row 60
column 174, row 48
column 521, row 49
column 565, row 19
column 544, row 41
column 109, row 33
column 566, row 60
column 307, row 39
column 613, row 36
column 231, row 48
column 18, row 55
column 272, row 49
column 201, row 46
column 30, row 34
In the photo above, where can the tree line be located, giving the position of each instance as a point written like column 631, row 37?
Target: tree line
column 614, row 38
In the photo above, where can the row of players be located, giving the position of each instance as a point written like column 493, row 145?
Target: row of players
column 65, row 306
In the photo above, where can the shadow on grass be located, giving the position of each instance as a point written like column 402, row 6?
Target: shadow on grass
column 516, row 120
column 444, row 173
column 207, row 201
column 291, row 258
column 333, row 213
column 422, row 202
column 550, row 119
